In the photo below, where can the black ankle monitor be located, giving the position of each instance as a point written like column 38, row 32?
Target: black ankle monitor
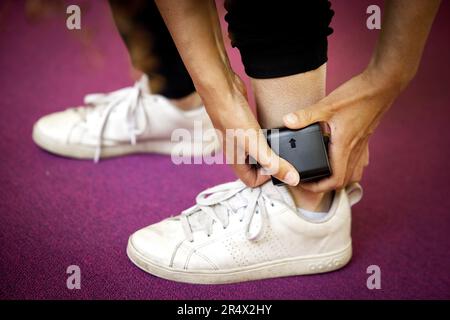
column 306, row 149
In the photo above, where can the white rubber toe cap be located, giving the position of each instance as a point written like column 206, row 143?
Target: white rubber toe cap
column 157, row 243
column 57, row 126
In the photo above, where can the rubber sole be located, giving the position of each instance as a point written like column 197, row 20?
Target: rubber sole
column 154, row 146
column 273, row 269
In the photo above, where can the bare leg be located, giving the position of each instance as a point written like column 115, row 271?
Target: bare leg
column 189, row 102
column 153, row 52
column 279, row 96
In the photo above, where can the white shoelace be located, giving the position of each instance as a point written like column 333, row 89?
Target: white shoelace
column 130, row 98
column 229, row 199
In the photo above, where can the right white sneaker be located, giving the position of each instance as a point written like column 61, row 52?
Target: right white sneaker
column 235, row 233
column 129, row 120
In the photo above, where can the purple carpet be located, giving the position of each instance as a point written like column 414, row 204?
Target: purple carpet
column 56, row 212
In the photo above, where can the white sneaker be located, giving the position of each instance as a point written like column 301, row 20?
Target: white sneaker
column 129, row 120
column 235, row 233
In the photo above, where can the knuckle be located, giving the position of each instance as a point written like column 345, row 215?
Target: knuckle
column 304, row 115
column 326, row 114
column 333, row 106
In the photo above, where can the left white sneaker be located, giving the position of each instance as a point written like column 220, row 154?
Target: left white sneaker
column 129, row 120
column 235, row 233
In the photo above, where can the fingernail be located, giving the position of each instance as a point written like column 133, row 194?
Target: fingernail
column 291, row 118
column 292, row 178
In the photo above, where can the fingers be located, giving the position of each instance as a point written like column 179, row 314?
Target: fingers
column 366, row 155
column 273, row 165
column 356, row 174
column 355, row 166
column 363, row 161
column 252, row 143
column 304, row 117
column 347, row 167
column 250, row 175
column 253, row 177
column 338, row 161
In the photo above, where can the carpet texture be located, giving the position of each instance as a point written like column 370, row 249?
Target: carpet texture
column 56, row 212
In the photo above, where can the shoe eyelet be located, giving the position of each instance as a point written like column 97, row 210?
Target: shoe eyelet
column 272, row 204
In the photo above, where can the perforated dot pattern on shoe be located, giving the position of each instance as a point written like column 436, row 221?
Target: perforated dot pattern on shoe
column 330, row 264
column 245, row 252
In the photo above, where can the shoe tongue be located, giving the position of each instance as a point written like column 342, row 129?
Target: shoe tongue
column 144, row 84
column 280, row 193
column 197, row 220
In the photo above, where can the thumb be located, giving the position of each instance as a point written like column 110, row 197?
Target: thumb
column 287, row 173
column 304, row 117
column 279, row 168
column 271, row 163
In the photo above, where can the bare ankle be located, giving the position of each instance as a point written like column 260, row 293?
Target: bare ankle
column 317, row 202
column 189, row 102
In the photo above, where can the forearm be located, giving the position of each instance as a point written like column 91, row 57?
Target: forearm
column 404, row 31
column 195, row 29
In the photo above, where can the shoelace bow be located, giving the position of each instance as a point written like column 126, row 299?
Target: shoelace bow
column 254, row 202
column 130, row 98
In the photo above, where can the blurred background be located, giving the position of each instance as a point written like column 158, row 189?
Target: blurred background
column 56, row 212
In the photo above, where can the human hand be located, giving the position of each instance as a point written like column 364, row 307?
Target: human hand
column 243, row 138
column 352, row 112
